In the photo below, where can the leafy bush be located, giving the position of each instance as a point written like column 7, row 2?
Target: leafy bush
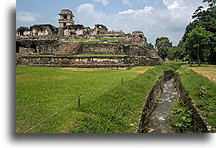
column 181, row 118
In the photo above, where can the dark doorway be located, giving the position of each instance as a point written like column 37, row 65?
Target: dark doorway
column 34, row 47
column 17, row 47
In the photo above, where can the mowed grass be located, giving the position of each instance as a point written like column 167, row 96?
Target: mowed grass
column 46, row 98
column 202, row 91
column 42, row 91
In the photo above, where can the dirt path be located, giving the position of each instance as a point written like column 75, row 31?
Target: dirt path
column 208, row 72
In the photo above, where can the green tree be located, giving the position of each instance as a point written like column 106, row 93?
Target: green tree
column 162, row 46
column 176, row 53
column 198, row 43
column 150, row 46
column 207, row 19
column 211, row 2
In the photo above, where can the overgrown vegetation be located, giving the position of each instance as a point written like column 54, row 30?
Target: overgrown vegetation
column 181, row 118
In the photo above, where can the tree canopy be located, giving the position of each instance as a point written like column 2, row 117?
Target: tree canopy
column 162, row 46
column 198, row 43
column 204, row 22
column 177, row 53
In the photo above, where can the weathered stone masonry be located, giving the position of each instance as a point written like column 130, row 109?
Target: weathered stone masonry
column 47, row 45
column 56, row 53
column 28, row 46
column 56, row 47
column 109, row 62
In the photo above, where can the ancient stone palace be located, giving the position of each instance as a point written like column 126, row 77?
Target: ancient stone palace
column 65, row 45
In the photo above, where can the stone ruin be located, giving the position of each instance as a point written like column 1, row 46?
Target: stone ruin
column 47, row 45
column 37, row 32
column 68, row 29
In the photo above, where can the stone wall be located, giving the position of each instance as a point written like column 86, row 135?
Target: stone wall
column 108, row 62
column 145, row 61
column 138, row 55
column 85, row 61
column 36, row 46
column 103, row 48
column 67, row 48
column 96, row 48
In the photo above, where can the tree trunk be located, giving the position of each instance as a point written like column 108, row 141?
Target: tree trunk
column 199, row 63
column 198, row 58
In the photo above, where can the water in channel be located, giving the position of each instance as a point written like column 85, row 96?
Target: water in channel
column 159, row 121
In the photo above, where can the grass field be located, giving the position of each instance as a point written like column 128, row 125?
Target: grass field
column 111, row 100
column 42, row 91
column 208, row 71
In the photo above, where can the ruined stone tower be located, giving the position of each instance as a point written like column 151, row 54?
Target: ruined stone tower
column 66, row 18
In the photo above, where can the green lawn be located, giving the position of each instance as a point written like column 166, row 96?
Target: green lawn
column 107, row 104
column 41, row 91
